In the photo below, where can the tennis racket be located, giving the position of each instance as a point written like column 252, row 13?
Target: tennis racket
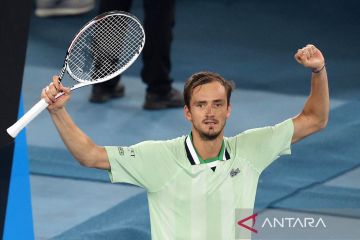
column 104, row 48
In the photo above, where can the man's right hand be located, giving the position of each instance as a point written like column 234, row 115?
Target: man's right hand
column 51, row 91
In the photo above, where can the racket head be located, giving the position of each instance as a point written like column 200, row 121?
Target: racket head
column 105, row 47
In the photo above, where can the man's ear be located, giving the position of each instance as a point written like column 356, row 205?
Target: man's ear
column 187, row 113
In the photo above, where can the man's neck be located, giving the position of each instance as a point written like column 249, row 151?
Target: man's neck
column 207, row 148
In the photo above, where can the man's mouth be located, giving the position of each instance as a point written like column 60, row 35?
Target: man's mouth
column 210, row 122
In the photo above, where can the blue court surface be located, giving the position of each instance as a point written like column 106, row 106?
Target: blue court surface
column 249, row 42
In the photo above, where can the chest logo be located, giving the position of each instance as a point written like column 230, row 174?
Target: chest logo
column 234, row 172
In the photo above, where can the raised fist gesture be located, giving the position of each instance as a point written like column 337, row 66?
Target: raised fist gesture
column 310, row 57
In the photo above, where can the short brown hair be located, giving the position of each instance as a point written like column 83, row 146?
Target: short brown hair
column 202, row 78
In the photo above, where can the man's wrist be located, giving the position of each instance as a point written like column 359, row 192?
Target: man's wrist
column 317, row 70
column 56, row 111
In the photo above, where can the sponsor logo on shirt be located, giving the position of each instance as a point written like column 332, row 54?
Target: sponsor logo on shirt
column 234, row 172
column 121, row 151
column 132, row 152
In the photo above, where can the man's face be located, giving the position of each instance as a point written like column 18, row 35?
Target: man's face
column 208, row 110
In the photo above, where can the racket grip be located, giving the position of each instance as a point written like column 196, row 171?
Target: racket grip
column 14, row 130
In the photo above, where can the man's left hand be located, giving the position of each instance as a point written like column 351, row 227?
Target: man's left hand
column 310, row 57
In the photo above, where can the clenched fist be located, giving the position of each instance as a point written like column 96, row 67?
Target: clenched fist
column 310, row 57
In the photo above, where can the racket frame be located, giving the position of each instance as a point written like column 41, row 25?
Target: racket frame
column 14, row 130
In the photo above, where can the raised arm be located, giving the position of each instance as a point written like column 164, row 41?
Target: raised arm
column 78, row 143
column 314, row 115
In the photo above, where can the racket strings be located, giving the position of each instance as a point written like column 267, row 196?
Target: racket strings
column 107, row 45
column 117, row 46
column 105, row 48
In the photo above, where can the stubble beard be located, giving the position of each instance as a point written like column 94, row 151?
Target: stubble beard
column 210, row 136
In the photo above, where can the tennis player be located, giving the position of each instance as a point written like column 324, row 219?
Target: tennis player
column 194, row 183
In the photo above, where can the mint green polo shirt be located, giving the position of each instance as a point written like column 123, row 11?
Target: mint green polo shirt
column 188, row 200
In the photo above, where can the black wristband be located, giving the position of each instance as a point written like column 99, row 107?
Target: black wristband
column 317, row 71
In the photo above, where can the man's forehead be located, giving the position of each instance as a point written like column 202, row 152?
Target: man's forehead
column 214, row 90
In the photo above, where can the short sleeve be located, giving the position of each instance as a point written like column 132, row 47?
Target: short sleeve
column 261, row 146
column 148, row 164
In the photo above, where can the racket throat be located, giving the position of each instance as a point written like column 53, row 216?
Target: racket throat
column 79, row 85
column 63, row 70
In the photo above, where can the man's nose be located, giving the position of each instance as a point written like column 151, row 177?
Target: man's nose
column 209, row 110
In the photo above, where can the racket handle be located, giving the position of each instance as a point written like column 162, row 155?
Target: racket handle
column 14, row 130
